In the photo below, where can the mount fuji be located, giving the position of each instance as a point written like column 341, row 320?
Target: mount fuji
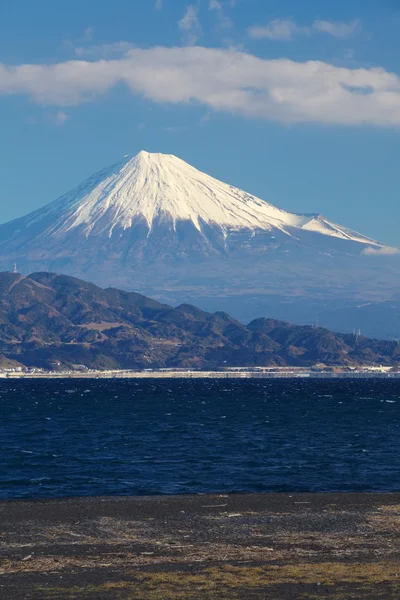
column 154, row 224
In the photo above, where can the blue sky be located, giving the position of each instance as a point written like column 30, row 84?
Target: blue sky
column 295, row 101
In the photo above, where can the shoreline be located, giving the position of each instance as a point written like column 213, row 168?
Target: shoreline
column 234, row 374
column 270, row 546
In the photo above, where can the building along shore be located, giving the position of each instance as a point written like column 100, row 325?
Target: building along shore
column 236, row 373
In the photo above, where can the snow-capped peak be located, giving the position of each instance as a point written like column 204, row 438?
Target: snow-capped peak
column 161, row 186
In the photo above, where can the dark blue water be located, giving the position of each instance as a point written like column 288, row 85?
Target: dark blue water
column 125, row 437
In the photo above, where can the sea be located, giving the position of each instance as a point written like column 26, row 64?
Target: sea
column 99, row 437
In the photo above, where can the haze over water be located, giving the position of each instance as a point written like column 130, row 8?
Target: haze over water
column 125, row 437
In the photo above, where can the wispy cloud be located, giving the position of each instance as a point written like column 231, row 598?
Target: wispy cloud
column 190, row 26
column 104, row 50
column 158, row 5
column 338, row 30
column 385, row 251
column 87, row 35
column 287, row 29
column 278, row 29
column 222, row 80
column 60, row 118
column 224, row 21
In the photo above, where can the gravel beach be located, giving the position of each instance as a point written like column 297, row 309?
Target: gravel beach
column 270, row 546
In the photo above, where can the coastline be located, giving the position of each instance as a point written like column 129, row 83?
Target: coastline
column 287, row 373
column 270, row 546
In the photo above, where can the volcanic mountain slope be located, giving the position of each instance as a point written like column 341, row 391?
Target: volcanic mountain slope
column 157, row 190
column 154, row 224
column 47, row 320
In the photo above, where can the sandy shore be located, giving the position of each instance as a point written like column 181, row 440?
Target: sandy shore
column 270, row 546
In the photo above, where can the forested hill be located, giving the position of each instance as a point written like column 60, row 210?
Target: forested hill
column 49, row 320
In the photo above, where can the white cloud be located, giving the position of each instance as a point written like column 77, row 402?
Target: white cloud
column 158, row 5
column 287, row 29
column 278, row 29
column 339, row 30
column 224, row 21
column 190, row 26
column 222, row 80
column 385, row 251
column 104, row 50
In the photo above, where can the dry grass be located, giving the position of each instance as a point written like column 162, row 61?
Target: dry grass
column 235, row 581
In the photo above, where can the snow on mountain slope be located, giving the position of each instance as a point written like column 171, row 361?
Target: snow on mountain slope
column 319, row 224
column 155, row 225
column 159, row 187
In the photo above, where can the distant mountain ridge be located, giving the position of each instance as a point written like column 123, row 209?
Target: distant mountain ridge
column 49, row 320
column 154, row 224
